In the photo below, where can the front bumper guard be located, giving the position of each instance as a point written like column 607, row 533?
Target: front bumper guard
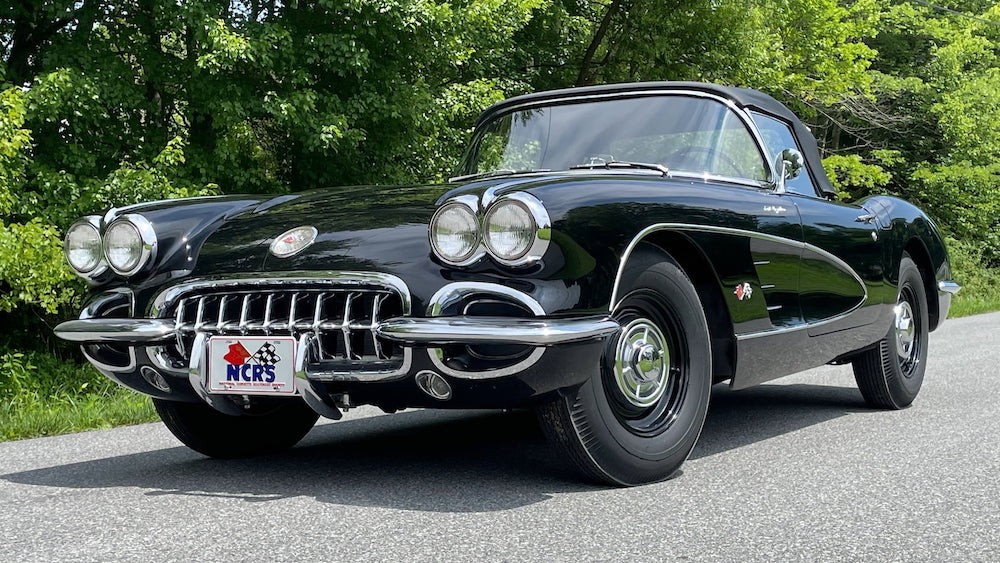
column 408, row 331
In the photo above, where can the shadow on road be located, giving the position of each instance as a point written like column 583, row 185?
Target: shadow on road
column 439, row 461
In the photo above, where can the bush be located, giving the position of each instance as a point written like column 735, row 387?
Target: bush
column 980, row 285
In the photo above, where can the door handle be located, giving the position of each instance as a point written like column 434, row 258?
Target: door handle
column 866, row 218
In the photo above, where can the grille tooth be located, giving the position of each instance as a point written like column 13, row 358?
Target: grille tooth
column 343, row 322
column 345, row 327
column 376, row 304
column 244, row 314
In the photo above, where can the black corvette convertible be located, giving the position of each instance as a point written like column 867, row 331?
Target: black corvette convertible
column 606, row 256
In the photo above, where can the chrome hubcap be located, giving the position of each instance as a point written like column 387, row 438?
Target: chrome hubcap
column 906, row 329
column 641, row 363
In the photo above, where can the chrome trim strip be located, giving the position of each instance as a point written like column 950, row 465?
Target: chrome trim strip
column 456, row 292
column 751, row 234
column 165, row 299
column 437, row 358
column 496, row 330
column 132, row 331
column 949, row 287
column 101, row 301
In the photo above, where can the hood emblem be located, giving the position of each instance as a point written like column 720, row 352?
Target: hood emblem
column 293, row 241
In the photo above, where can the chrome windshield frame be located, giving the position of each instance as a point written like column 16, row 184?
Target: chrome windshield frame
column 740, row 112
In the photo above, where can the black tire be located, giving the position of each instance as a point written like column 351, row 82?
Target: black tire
column 890, row 374
column 208, row 431
column 620, row 435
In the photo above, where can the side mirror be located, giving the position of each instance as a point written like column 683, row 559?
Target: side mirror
column 788, row 164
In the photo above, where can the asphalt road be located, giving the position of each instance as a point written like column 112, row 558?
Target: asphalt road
column 794, row 470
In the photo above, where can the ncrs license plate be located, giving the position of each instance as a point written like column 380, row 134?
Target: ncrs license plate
column 251, row 365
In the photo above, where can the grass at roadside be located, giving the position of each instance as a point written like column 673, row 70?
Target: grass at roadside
column 974, row 305
column 41, row 395
column 980, row 286
column 62, row 415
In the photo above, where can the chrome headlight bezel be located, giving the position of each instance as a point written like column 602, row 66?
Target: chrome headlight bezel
column 542, row 227
column 89, row 222
column 146, row 235
column 467, row 204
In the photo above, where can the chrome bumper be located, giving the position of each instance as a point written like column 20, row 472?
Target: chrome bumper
column 409, row 331
column 949, row 287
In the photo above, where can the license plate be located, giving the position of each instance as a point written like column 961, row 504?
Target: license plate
column 251, row 365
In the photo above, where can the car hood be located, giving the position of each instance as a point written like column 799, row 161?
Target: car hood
column 384, row 228
column 359, row 228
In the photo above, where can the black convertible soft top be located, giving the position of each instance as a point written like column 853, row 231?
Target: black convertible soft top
column 743, row 97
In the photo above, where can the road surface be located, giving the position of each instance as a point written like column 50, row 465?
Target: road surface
column 797, row 469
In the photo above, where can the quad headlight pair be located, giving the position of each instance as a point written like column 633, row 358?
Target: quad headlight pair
column 126, row 246
column 514, row 230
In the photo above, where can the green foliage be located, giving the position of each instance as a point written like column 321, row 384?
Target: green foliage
column 32, row 268
column 14, row 141
column 968, row 117
column 966, row 199
column 850, row 175
column 980, row 288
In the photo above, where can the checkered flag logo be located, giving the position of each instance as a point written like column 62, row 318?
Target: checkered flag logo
column 266, row 355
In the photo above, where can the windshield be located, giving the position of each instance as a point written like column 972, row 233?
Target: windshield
column 684, row 133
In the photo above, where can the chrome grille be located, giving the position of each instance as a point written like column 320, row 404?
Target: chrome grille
column 342, row 322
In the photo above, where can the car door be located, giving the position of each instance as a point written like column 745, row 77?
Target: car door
column 841, row 268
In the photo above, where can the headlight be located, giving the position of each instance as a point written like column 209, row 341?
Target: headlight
column 516, row 229
column 455, row 234
column 510, row 230
column 129, row 244
column 83, row 246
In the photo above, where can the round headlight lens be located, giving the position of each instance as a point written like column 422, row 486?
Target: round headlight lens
column 123, row 246
column 455, row 233
column 83, row 247
column 510, row 230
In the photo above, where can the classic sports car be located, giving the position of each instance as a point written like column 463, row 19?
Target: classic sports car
column 607, row 255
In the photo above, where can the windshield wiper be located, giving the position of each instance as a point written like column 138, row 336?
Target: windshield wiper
column 495, row 173
column 610, row 164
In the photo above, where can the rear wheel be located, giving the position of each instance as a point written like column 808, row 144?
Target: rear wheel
column 208, row 431
column 890, row 375
column 639, row 416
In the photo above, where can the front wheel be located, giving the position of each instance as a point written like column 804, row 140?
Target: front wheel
column 639, row 416
column 208, row 431
column 890, row 375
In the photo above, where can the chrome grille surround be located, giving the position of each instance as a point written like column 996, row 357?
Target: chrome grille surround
column 334, row 316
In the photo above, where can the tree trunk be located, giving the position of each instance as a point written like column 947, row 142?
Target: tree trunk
column 585, row 75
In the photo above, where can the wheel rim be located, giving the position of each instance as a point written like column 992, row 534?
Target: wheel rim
column 907, row 332
column 647, row 379
column 642, row 360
